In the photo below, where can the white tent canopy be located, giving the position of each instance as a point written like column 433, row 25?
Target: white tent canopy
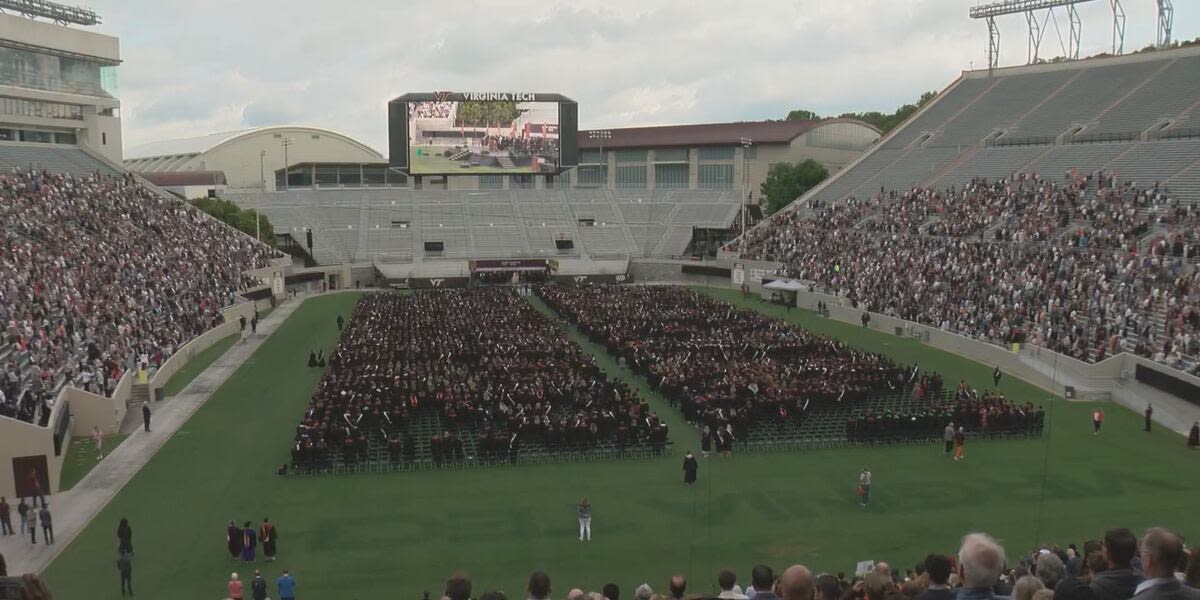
column 789, row 285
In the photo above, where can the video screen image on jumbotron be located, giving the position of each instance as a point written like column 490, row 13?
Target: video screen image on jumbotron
column 482, row 133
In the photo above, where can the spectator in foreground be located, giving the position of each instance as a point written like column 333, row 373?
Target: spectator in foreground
column 980, row 561
column 643, row 592
column 828, row 588
column 1192, row 574
column 796, row 583
column 539, row 586
column 1027, row 585
column 1162, row 551
column 1118, row 581
column 1050, row 570
column 458, row 587
column 937, row 568
column 761, row 580
column 727, row 580
column 678, row 586
column 612, row 592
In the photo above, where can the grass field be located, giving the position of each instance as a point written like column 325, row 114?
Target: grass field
column 198, row 364
column 81, row 458
column 397, row 535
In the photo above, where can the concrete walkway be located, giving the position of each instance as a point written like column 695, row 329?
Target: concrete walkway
column 75, row 508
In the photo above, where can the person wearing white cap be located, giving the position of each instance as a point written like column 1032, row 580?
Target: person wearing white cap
column 235, row 587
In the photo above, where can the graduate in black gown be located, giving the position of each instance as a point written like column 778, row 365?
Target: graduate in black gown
column 690, row 466
column 233, row 539
column 312, row 358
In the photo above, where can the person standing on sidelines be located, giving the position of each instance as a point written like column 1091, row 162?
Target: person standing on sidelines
column 235, row 587
column 47, row 525
column 287, row 586
column 33, row 523
column 996, row 375
column 585, row 520
column 949, row 437
column 1097, row 421
column 23, row 512
column 242, row 326
column 1149, row 414
column 5, row 517
column 146, row 416
column 98, row 441
column 258, row 586
column 125, row 568
column 960, row 441
column 864, row 487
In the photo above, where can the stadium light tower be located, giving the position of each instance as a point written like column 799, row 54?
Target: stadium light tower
column 287, row 141
column 746, row 144
column 262, row 189
column 1118, row 27
column 1166, row 16
column 1037, row 24
column 601, row 135
column 59, row 13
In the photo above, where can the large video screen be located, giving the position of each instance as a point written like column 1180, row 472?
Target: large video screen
column 475, row 137
column 482, row 133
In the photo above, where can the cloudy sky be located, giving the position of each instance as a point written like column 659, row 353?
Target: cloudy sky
column 193, row 67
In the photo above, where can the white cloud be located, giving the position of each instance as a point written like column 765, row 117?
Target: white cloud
column 194, row 67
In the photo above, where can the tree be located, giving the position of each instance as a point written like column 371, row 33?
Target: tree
column 788, row 181
column 801, row 114
column 243, row 220
column 884, row 121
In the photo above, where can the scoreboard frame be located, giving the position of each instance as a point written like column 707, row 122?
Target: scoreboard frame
column 398, row 134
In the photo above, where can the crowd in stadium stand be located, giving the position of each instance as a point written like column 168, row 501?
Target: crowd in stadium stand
column 99, row 274
column 485, row 361
column 1119, row 566
column 430, row 110
column 1077, row 282
column 731, row 370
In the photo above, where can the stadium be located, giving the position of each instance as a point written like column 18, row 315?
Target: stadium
column 953, row 354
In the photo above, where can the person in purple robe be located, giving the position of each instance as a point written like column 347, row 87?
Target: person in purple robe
column 233, row 540
column 249, row 541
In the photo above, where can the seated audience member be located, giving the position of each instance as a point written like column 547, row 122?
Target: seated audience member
column 1118, row 580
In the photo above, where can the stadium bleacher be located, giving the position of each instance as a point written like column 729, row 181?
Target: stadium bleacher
column 495, row 224
column 1094, row 168
column 88, row 324
column 53, row 158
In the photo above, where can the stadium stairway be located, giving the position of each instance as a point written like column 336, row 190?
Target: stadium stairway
column 505, row 162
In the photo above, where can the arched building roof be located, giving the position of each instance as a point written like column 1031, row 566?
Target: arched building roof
column 193, row 146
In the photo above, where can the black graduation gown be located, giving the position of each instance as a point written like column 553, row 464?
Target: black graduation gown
column 690, row 466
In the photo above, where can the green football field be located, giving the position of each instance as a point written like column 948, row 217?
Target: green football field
column 396, row 535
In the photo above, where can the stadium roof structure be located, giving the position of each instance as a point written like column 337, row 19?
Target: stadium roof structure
column 178, row 178
column 193, row 146
column 709, row 134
